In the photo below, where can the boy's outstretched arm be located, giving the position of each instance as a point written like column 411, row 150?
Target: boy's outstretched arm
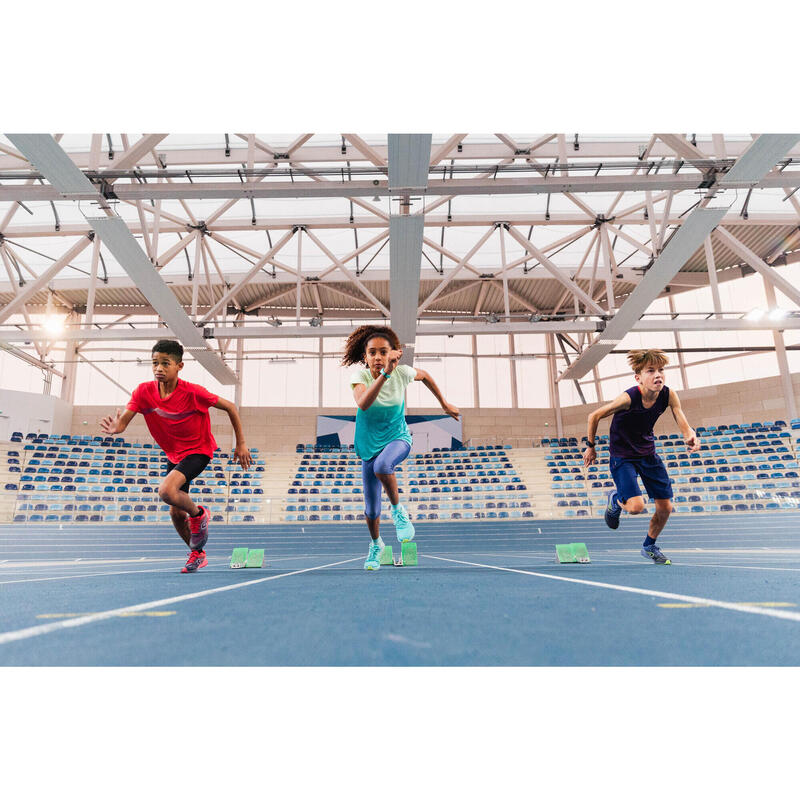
column 241, row 452
column 116, row 424
column 452, row 410
column 688, row 433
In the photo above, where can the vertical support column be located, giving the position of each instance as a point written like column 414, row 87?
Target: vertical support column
column 299, row 272
column 237, row 398
column 513, row 372
column 506, row 305
column 611, row 267
column 198, row 247
column 712, row 274
column 598, row 387
column 476, row 392
column 405, row 262
column 92, row 281
column 319, row 374
column 681, row 362
column 783, row 361
column 70, row 362
column 552, row 373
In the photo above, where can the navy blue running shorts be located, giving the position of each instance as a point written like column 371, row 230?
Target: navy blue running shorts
column 191, row 467
column 650, row 469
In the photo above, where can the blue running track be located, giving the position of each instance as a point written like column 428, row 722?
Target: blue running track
column 488, row 593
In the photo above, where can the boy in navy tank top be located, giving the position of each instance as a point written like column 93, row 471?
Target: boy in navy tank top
column 632, row 447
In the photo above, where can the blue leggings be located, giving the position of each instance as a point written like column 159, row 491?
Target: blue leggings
column 382, row 464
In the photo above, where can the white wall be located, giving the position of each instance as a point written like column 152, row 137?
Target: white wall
column 33, row 413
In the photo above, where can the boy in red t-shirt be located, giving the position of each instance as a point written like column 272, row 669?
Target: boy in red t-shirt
column 176, row 413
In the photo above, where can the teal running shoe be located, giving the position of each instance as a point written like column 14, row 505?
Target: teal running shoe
column 374, row 556
column 403, row 527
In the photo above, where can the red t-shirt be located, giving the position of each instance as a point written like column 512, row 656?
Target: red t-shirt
column 180, row 423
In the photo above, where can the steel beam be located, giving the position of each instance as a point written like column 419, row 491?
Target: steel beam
column 768, row 272
column 680, row 249
column 545, row 148
column 171, row 224
column 409, row 157
column 759, row 158
column 43, row 280
column 45, row 152
column 587, row 301
column 409, row 160
column 126, row 250
column 531, row 184
column 425, row 328
column 405, row 256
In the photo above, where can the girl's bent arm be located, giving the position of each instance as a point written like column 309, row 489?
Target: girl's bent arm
column 425, row 377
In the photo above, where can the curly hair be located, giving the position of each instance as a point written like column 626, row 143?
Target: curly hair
column 639, row 359
column 355, row 349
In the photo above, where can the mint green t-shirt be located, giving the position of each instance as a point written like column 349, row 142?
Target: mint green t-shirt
column 385, row 420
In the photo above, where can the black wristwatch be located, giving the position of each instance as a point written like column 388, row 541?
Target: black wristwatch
column 588, row 443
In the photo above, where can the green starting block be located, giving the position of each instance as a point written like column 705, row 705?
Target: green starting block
column 386, row 556
column 408, row 554
column 242, row 557
column 575, row 553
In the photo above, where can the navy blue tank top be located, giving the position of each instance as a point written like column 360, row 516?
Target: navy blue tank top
column 631, row 434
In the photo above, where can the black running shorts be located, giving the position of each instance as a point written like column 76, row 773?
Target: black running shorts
column 191, row 467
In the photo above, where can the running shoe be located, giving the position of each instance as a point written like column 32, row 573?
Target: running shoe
column 613, row 510
column 403, row 527
column 199, row 530
column 197, row 559
column 653, row 552
column 374, row 556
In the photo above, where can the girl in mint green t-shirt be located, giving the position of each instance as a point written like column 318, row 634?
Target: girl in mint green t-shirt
column 382, row 439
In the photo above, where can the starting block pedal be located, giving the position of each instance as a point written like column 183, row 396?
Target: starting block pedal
column 239, row 558
column 386, row 556
column 575, row 553
column 255, row 558
column 408, row 554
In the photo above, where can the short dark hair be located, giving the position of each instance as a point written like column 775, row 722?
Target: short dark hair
column 169, row 347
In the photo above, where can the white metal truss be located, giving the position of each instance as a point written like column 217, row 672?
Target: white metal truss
column 549, row 233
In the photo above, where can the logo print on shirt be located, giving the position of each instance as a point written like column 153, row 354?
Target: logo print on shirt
column 169, row 414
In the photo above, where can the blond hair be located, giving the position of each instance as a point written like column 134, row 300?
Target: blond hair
column 639, row 359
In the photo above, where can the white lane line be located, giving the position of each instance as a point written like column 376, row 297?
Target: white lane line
column 212, row 563
column 39, row 630
column 626, row 560
column 741, row 566
column 94, row 575
column 602, row 560
column 685, row 598
column 26, row 568
column 84, row 562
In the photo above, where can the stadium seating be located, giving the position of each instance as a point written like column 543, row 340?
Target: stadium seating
column 65, row 479
column 757, row 457
column 116, row 479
